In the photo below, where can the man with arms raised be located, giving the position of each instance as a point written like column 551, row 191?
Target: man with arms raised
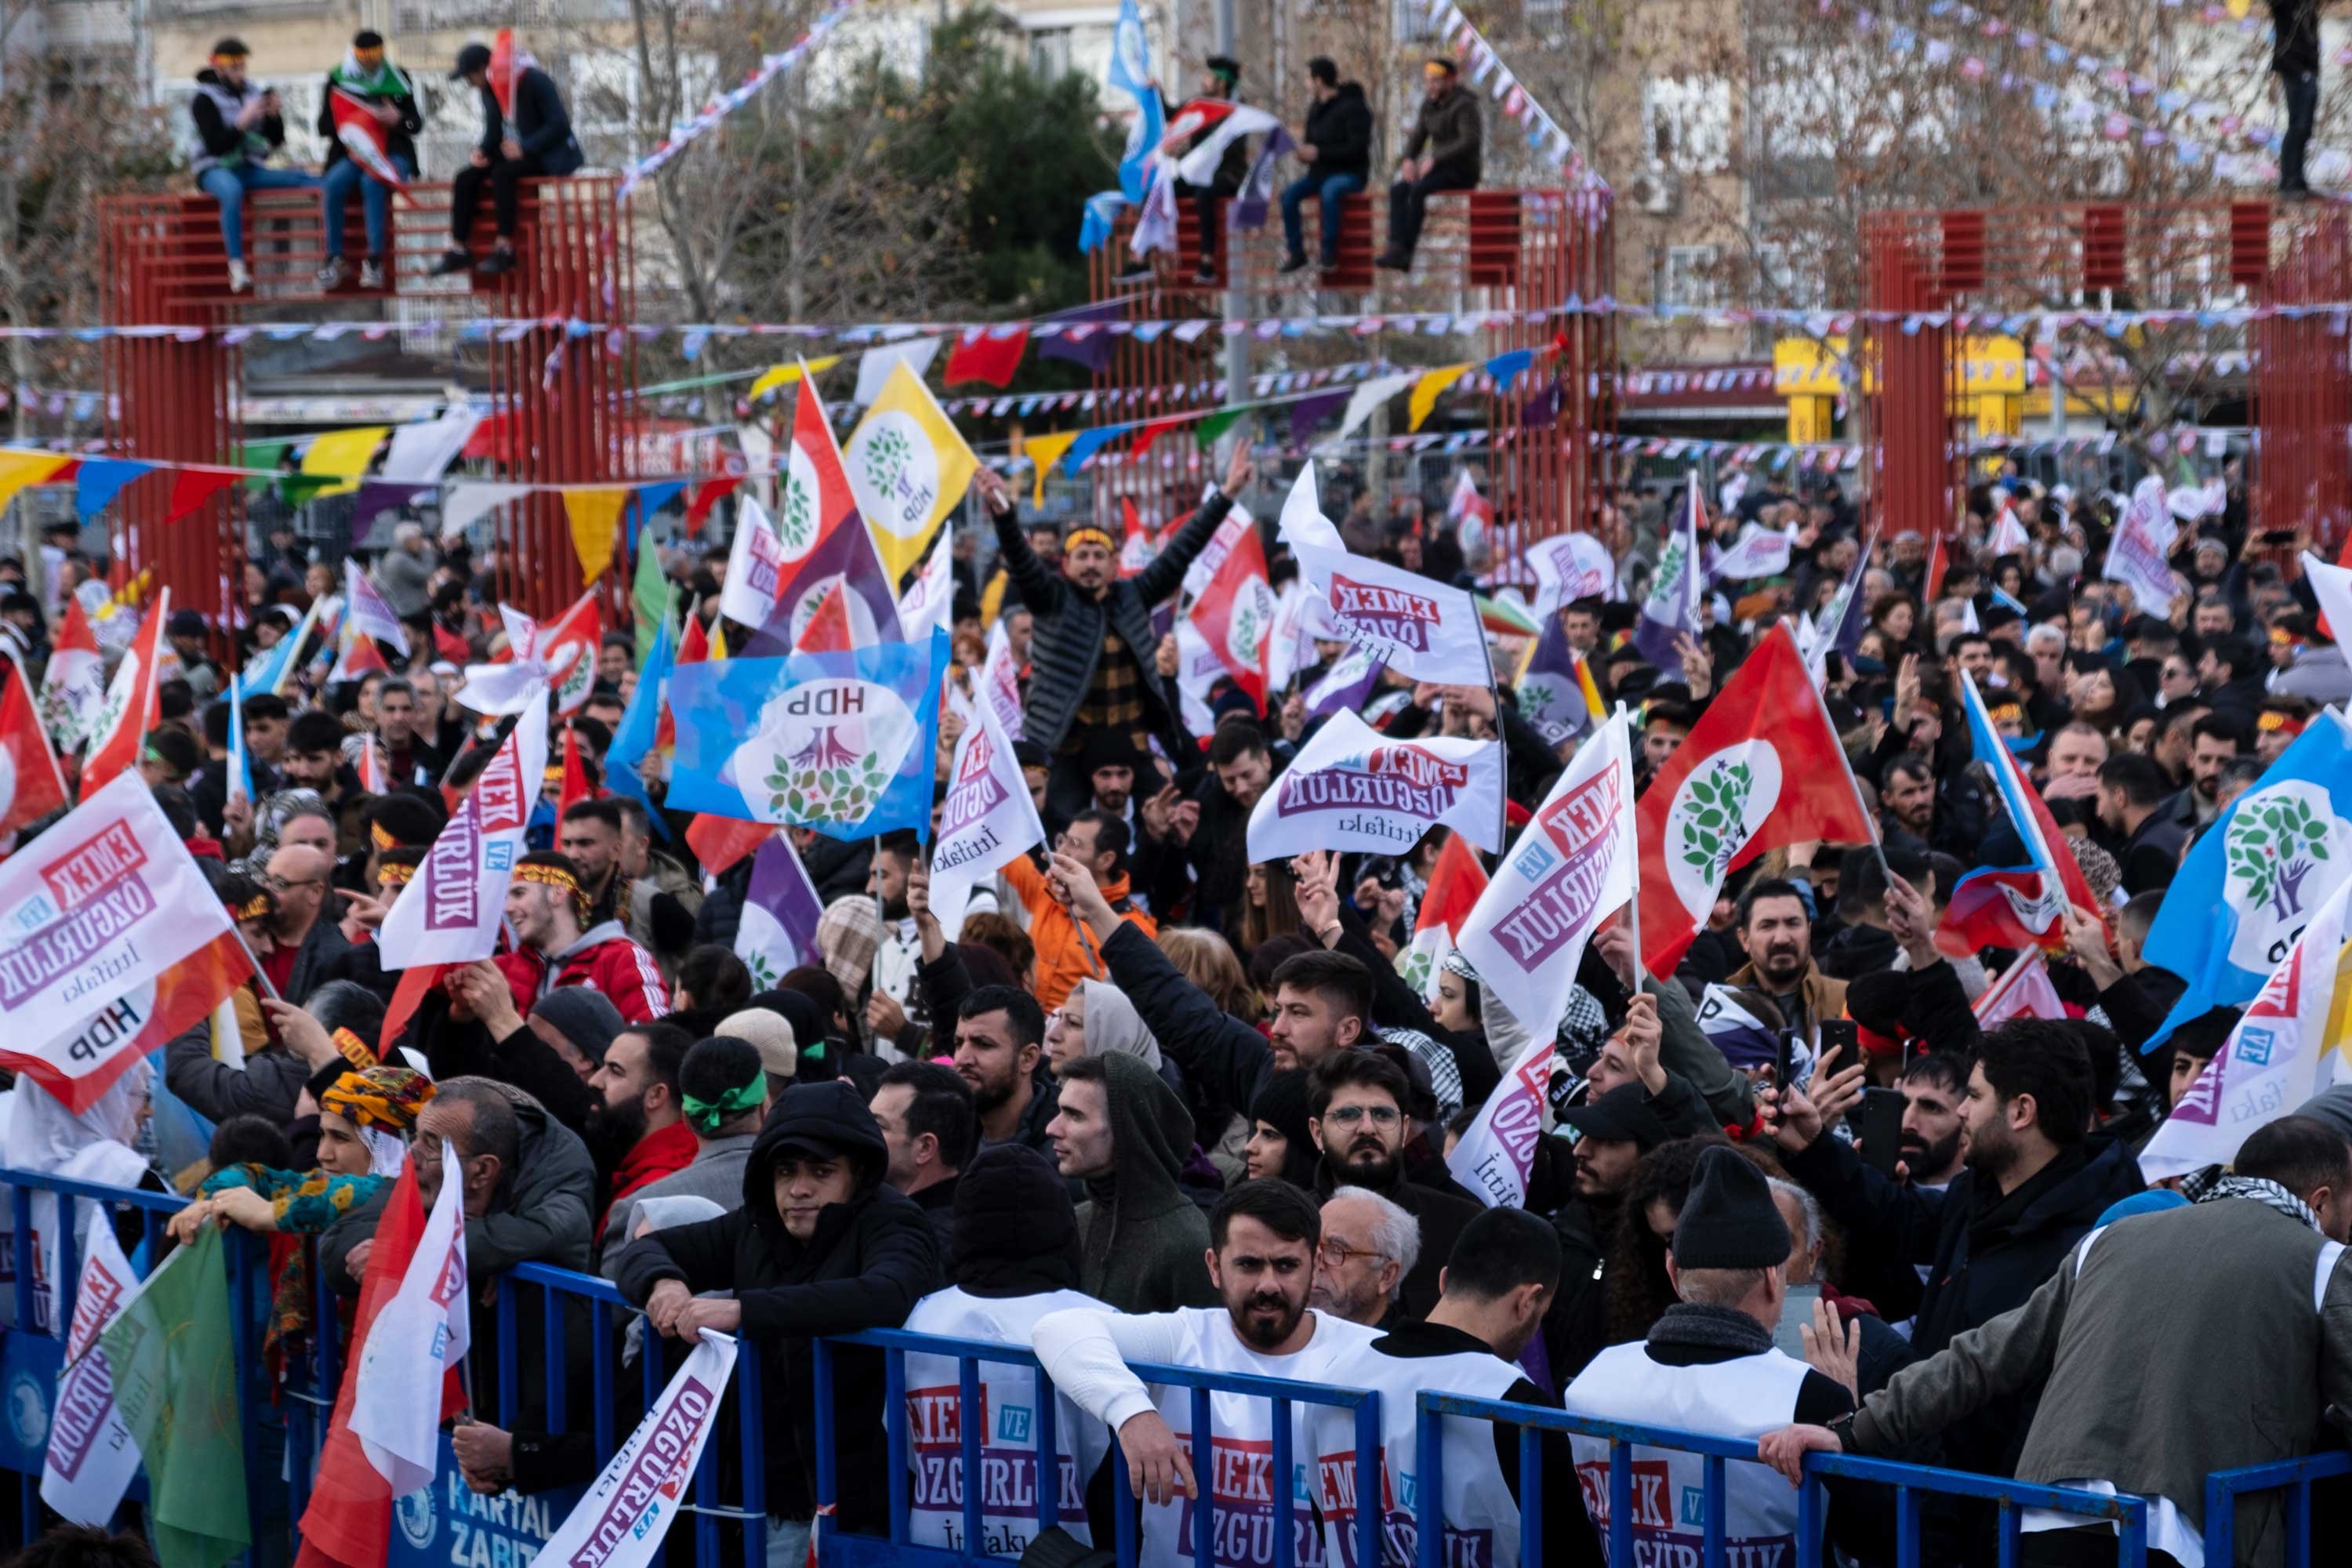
column 1262, row 1240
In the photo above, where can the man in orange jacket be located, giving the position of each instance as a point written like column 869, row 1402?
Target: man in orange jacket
column 1066, row 951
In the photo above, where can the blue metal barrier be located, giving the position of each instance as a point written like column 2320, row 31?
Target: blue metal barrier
column 2224, row 1488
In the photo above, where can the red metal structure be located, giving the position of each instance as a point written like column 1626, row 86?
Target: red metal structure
column 560, row 402
column 1506, row 256
column 2189, row 257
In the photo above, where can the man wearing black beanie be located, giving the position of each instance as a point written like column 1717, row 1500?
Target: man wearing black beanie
column 1708, row 1366
column 1016, row 1258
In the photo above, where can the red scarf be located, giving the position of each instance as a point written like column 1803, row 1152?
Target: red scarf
column 657, row 1155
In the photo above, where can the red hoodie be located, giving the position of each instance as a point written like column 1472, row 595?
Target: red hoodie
column 603, row 957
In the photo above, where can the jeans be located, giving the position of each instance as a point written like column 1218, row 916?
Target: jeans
column 1409, row 199
column 2301, row 92
column 1326, row 190
column 375, row 202
column 504, row 177
column 227, row 183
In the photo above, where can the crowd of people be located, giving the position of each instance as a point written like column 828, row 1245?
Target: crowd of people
column 1152, row 1102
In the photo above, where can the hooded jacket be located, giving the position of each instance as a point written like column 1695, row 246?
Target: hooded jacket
column 1068, row 639
column 1065, row 956
column 603, row 957
column 1339, row 129
column 868, row 1262
column 1143, row 1239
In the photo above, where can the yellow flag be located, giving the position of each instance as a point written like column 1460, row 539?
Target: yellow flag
column 909, row 468
column 595, row 518
column 1045, row 451
column 718, row 639
column 786, row 374
column 1425, row 391
column 343, row 455
column 18, row 469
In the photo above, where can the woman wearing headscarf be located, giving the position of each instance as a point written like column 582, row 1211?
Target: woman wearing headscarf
column 366, row 1120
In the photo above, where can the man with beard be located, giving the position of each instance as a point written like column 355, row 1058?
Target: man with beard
column 314, row 761
column 590, row 834
column 1262, row 1236
column 1357, row 1103
column 722, row 1097
column 1099, row 842
column 2034, row 1183
column 637, row 1130
column 2144, row 837
column 548, row 907
column 2213, row 744
column 1369, row 1246
column 895, row 1011
column 999, row 1034
column 1934, row 1133
column 1778, row 937
column 1123, row 1132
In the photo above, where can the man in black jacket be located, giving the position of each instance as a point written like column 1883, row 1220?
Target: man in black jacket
column 532, row 139
column 1090, row 657
column 1441, row 154
column 237, row 124
column 1358, row 1117
column 1337, row 148
column 821, row 1246
column 2295, row 55
column 383, row 89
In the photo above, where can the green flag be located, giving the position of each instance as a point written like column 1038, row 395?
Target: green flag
column 175, row 1361
column 649, row 596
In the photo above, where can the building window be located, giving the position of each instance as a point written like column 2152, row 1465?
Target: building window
column 1687, row 125
column 1687, row 278
column 1409, row 20
column 1781, row 283
column 1049, row 53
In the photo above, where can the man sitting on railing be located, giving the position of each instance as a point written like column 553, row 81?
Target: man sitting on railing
column 1262, row 1236
column 1707, row 1366
column 383, row 89
column 237, row 126
column 2137, row 1400
column 1441, row 154
column 526, row 134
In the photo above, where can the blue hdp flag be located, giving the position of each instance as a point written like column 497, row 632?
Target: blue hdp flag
column 634, row 737
column 2246, row 890
column 842, row 743
column 1129, row 72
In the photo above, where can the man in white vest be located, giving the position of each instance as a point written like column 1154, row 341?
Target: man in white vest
column 1707, row 1366
column 1262, row 1240
column 1495, row 1292
column 1015, row 1260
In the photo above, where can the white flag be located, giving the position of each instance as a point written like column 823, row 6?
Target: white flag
column 2139, row 555
column 1353, row 788
column 450, row 912
column 1568, row 567
column 1574, row 863
column 2332, row 586
column 367, row 611
column 557, row 655
column 92, row 1456
column 2009, row 536
column 999, row 680
column 422, row 452
column 2278, row 1057
column 622, row 1521
column 416, row 1336
column 2024, row 991
column 1419, row 628
column 464, row 502
column 1495, row 1157
column 1759, row 552
column 755, row 566
column 1302, row 521
column 988, row 821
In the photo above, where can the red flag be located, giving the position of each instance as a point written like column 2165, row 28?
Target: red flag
column 349, row 1521
column 828, row 629
column 1234, row 614
column 567, row 647
column 706, row 496
column 362, row 135
column 128, row 712
column 375, row 775
column 574, row 788
column 501, row 73
column 987, row 353
column 31, row 786
column 406, row 996
column 1762, row 768
column 1456, row 881
column 191, row 487
column 1937, row 562
column 1153, row 431
column 693, row 648
column 359, row 658
column 1135, row 547
column 720, row 841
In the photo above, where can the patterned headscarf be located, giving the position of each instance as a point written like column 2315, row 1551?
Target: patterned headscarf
column 383, row 1096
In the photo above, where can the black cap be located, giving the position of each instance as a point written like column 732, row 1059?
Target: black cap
column 1729, row 1220
column 185, row 623
column 1620, row 1116
column 472, row 58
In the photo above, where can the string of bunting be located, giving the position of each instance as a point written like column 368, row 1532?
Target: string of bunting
column 1487, row 71
column 684, row 134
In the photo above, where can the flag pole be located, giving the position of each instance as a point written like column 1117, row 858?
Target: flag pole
column 1633, row 904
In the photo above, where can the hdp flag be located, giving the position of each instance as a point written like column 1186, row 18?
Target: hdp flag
column 1671, row 610
column 842, row 743
column 909, row 468
column 640, row 726
column 1131, row 72
column 1554, row 693
column 2249, row 885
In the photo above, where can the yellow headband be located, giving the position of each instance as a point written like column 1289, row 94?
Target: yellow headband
column 253, row 909
column 1433, row 68
column 382, row 840
column 1078, row 536
column 556, row 876
column 395, row 874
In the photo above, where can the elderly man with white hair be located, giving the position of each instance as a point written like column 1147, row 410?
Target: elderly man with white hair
column 403, row 575
column 1369, row 1246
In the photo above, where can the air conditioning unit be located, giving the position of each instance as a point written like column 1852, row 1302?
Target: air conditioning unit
column 1658, row 192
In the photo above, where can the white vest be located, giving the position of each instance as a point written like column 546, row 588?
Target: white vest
column 1245, row 1501
column 1745, row 1397
column 104, row 1161
column 1008, row 1442
column 1482, row 1521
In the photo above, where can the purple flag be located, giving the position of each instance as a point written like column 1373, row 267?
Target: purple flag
column 1672, row 608
column 1094, row 349
column 1308, row 412
column 1351, row 679
column 778, row 932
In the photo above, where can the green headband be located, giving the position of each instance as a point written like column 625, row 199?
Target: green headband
column 706, row 1115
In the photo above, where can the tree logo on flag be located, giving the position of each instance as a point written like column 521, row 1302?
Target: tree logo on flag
column 1714, row 814
column 826, row 750
column 795, row 518
column 120, row 692
column 1245, row 630
column 890, row 450
column 2278, row 837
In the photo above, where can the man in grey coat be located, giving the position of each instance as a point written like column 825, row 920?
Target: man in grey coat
column 723, row 1093
column 2126, row 1334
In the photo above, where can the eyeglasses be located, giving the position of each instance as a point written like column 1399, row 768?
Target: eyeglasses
column 1334, row 1252
column 1348, row 1115
column 276, row 884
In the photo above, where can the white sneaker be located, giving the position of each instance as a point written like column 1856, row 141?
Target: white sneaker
column 371, row 273
column 240, row 277
column 333, row 275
